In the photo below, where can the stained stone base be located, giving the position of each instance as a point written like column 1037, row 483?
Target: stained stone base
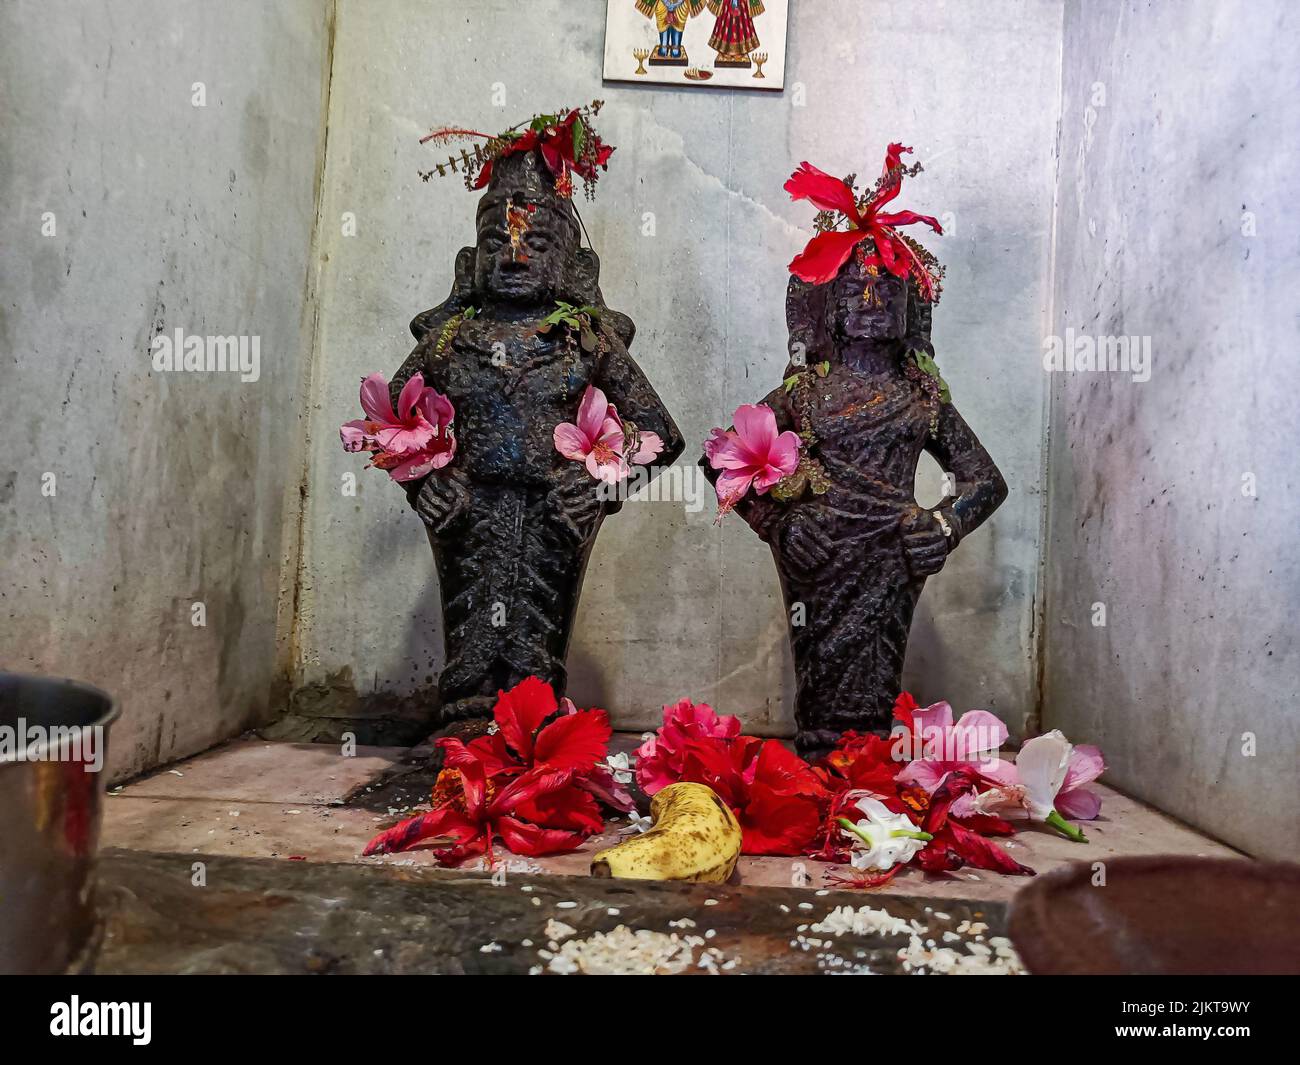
column 266, row 916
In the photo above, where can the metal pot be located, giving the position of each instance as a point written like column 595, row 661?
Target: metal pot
column 53, row 747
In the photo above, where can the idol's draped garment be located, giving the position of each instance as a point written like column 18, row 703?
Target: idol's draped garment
column 857, row 610
column 509, row 581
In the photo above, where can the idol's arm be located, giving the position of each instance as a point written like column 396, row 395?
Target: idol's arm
column 979, row 488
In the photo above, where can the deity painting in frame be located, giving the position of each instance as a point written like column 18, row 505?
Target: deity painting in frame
column 726, row 44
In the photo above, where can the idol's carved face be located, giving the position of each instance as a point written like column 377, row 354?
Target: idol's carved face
column 520, row 254
column 866, row 306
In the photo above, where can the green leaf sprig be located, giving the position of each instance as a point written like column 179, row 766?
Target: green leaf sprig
column 581, row 319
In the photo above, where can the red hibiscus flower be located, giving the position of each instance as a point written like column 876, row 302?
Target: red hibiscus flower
column 905, row 707
column 776, row 796
column 955, row 842
column 475, row 810
column 860, row 765
column 564, row 147
column 577, row 740
column 868, row 766
column 958, row 842
column 568, row 145
column 830, row 249
column 574, row 739
column 659, row 759
column 866, row 762
column 534, row 782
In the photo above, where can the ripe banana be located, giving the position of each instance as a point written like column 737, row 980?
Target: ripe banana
column 695, row 837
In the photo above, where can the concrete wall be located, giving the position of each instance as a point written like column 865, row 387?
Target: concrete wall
column 1173, row 501
column 170, row 488
column 674, row 606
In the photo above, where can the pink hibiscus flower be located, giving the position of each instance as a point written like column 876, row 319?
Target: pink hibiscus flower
column 1075, row 800
column 414, row 441
column 937, row 746
column 1049, row 773
column 750, row 455
column 600, row 440
column 661, row 757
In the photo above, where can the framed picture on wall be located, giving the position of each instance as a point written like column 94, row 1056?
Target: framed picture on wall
column 697, row 43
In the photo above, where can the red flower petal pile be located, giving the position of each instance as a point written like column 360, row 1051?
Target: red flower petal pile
column 537, row 782
column 786, row 806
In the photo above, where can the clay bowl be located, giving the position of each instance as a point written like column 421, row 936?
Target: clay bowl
column 1161, row 915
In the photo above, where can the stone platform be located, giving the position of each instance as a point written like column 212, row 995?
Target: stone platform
column 255, row 799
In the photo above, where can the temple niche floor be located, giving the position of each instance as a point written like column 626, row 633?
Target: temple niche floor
column 308, row 803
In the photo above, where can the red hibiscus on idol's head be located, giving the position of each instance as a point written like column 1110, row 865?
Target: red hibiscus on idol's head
column 566, row 139
column 830, row 249
column 562, row 147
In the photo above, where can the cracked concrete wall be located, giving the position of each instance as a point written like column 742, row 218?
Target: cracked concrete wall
column 674, row 606
column 1172, row 501
column 129, row 212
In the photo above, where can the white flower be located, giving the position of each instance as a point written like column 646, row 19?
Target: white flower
column 620, row 767
column 883, row 839
column 1042, row 765
column 636, row 823
column 1046, row 780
